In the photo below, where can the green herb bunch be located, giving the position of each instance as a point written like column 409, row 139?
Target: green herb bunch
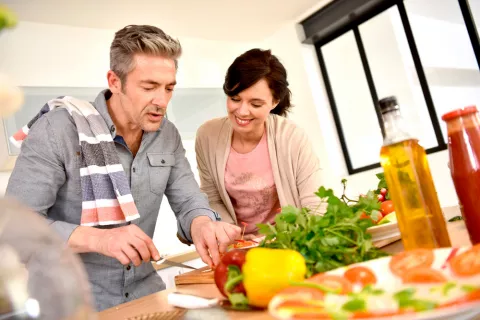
column 328, row 241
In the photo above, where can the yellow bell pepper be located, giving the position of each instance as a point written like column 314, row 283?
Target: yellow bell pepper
column 267, row 271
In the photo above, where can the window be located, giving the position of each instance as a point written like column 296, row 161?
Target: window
column 425, row 52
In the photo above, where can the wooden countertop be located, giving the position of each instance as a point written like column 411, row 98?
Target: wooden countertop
column 157, row 302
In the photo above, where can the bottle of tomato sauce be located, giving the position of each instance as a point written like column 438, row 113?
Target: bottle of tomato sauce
column 463, row 126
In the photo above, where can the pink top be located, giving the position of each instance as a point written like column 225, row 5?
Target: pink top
column 250, row 185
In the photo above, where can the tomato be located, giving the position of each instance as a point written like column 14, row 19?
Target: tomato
column 383, row 191
column 387, row 207
column 467, row 263
column 303, row 292
column 423, row 275
column 375, row 221
column 243, row 243
column 332, row 282
column 410, row 259
column 299, row 303
column 379, row 314
column 360, row 275
column 381, row 197
column 469, row 297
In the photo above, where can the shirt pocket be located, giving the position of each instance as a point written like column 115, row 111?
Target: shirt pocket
column 160, row 165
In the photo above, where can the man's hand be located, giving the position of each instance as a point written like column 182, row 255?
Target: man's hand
column 212, row 238
column 126, row 244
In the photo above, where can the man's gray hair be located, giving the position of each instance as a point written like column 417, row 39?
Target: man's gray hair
column 140, row 39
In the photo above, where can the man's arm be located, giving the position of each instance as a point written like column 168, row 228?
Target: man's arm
column 39, row 173
column 196, row 221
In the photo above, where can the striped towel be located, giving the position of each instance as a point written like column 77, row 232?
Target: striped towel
column 106, row 196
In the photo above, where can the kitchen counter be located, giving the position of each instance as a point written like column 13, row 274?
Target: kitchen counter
column 157, row 303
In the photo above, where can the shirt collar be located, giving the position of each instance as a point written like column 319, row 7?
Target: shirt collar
column 101, row 106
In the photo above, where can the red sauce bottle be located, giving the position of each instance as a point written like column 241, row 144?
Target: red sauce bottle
column 463, row 127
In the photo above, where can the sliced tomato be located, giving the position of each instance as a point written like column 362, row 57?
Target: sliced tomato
column 303, row 292
column 297, row 306
column 423, row 275
column 360, row 275
column 379, row 314
column 467, row 263
column 332, row 282
column 469, row 297
column 410, row 259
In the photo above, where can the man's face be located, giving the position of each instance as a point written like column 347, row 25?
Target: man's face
column 147, row 91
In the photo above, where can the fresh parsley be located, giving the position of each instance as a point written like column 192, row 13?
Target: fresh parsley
column 336, row 239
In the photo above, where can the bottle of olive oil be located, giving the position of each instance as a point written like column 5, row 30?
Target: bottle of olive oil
column 410, row 183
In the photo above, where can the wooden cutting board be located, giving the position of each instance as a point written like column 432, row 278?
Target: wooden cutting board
column 202, row 275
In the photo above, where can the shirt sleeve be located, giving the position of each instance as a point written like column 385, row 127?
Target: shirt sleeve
column 184, row 195
column 39, row 173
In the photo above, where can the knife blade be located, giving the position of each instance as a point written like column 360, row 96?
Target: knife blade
column 173, row 263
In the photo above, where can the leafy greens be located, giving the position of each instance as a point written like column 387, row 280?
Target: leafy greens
column 328, row 241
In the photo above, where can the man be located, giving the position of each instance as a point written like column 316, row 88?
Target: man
column 47, row 175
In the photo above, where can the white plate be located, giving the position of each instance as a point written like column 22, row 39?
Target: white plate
column 390, row 283
column 384, row 231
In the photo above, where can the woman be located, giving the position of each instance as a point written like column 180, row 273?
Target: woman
column 255, row 161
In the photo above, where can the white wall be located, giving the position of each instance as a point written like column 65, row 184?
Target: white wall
column 35, row 54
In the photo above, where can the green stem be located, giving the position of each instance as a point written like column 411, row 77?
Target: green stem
column 231, row 283
column 341, row 236
column 314, row 286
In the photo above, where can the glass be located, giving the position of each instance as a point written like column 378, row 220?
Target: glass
column 446, row 53
column 410, row 183
column 353, row 100
column 463, row 127
column 393, row 72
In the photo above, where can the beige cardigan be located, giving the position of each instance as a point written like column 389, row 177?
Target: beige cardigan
column 295, row 166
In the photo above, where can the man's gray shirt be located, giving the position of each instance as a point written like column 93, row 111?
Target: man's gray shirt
column 46, row 178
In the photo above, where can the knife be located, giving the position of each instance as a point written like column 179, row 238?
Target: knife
column 172, row 263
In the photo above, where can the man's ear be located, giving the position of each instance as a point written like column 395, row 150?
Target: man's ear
column 114, row 82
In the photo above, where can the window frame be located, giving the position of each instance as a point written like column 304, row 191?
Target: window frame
column 342, row 16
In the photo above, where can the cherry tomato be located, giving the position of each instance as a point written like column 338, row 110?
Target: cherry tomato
column 360, row 275
column 423, row 275
column 383, row 191
column 410, row 259
column 387, row 207
column 375, row 221
column 332, row 282
column 467, row 263
column 381, row 197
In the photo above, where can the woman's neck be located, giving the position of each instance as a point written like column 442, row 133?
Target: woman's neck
column 246, row 142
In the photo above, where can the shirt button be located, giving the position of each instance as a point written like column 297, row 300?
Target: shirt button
column 128, row 267
column 133, row 169
column 126, row 294
column 163, row 161
column 112, row 129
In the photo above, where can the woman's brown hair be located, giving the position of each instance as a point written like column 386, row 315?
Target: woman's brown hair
column 254, row 65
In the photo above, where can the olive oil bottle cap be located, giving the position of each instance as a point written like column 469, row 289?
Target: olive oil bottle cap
column 388, row 104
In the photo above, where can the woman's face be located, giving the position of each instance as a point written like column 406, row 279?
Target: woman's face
column 249, row 110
